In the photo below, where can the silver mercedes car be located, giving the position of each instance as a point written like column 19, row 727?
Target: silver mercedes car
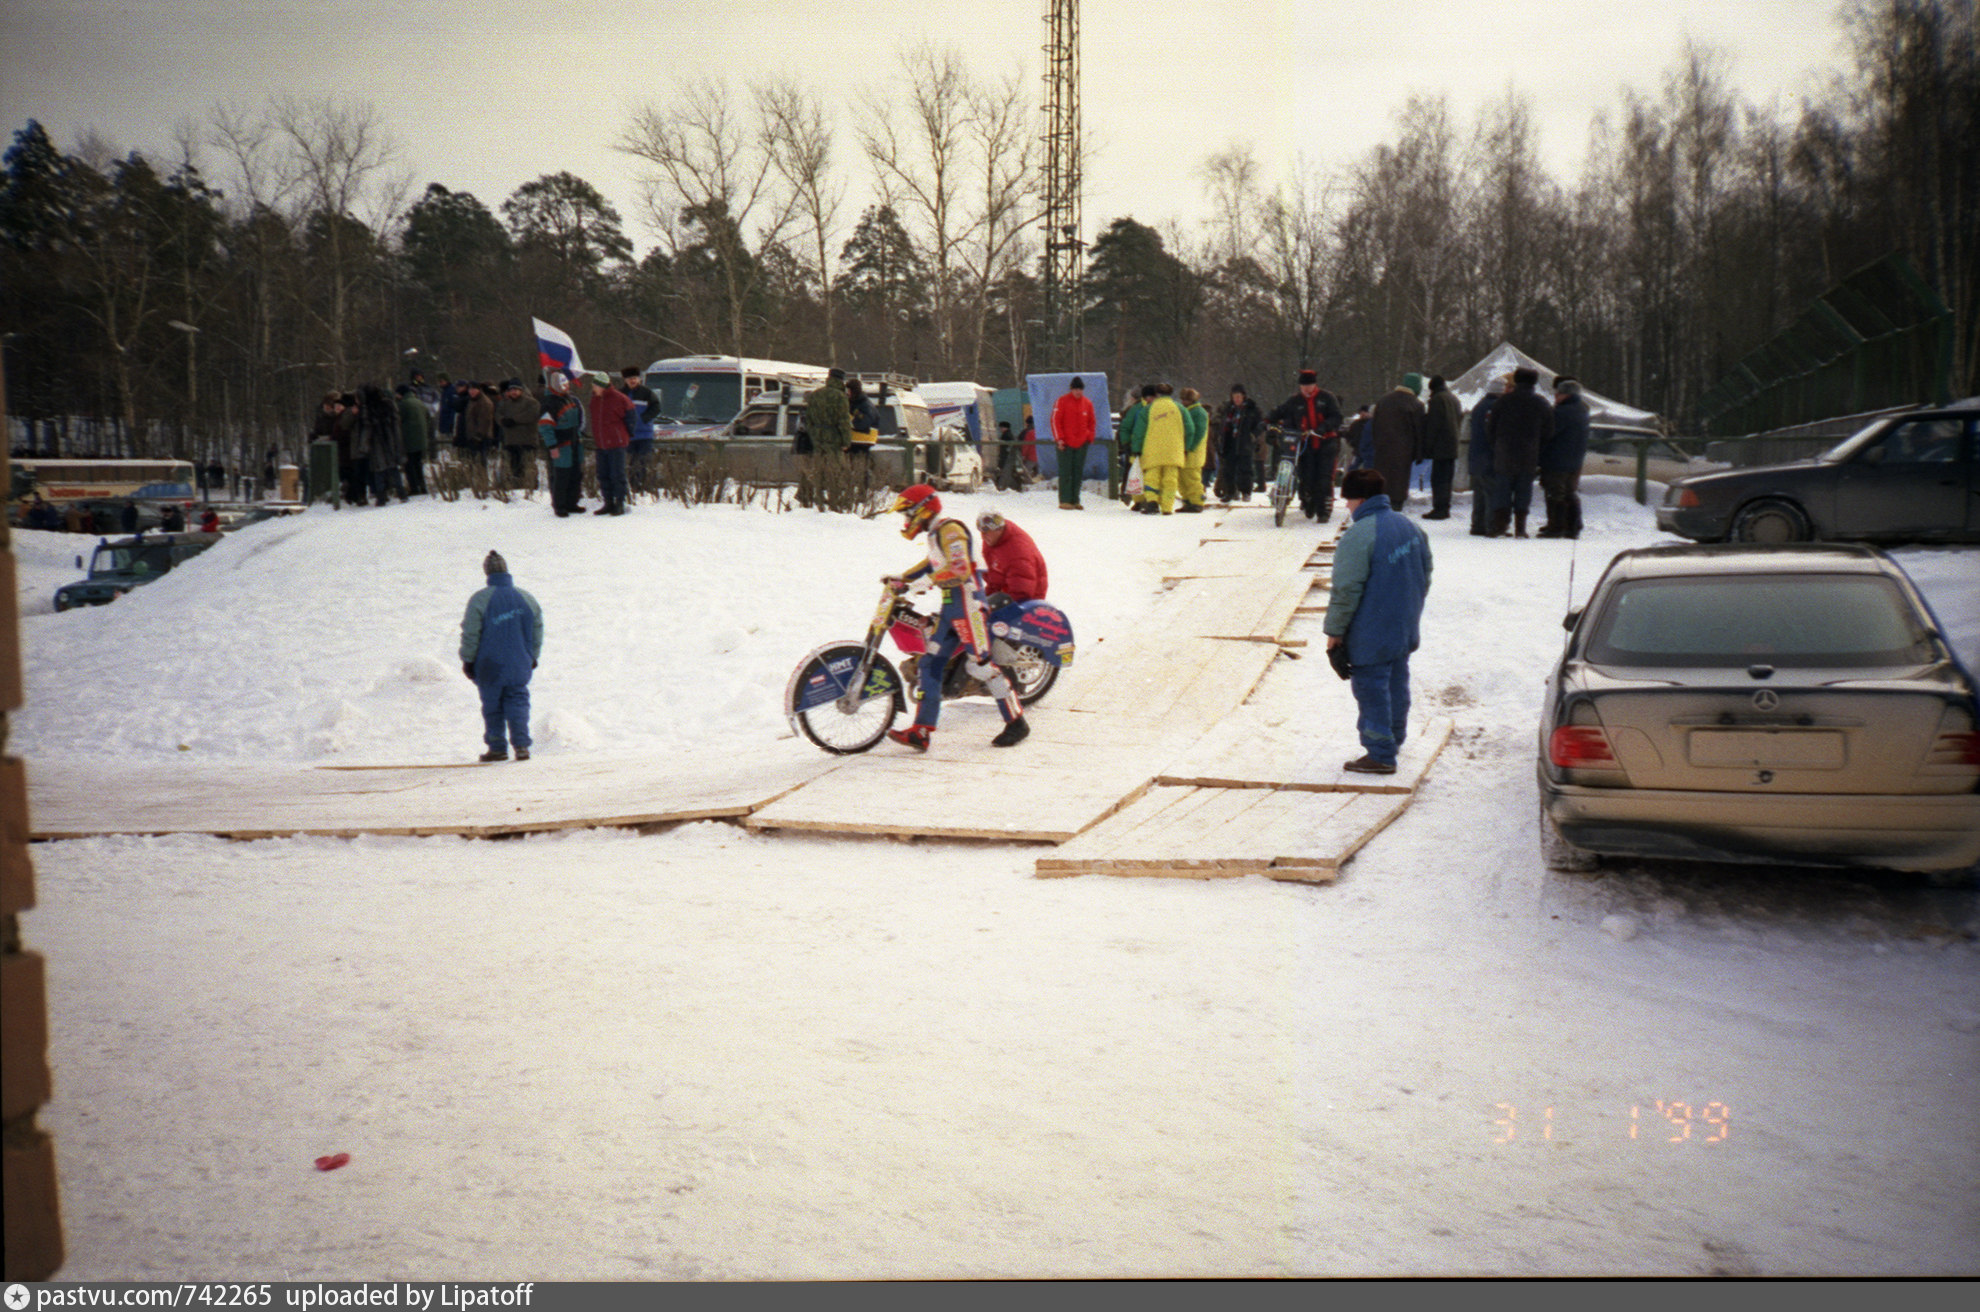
column 1795, row 705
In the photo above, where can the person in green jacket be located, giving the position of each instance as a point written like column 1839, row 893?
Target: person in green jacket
column 1133, row 426
column 1196, row 449
column 828, row 416
column 415, row 434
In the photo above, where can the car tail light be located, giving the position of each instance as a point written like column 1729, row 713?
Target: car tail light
column 1955, row 749
column 1581, row 747
column 1686, row 498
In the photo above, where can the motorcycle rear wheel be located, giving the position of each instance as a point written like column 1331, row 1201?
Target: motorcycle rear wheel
column 824, row 724
column 1032, row 672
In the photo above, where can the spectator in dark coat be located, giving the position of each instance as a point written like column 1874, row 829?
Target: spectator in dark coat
column 1396, row 432
column 516, row 412
column 415, row 434
column 1443, row 421
column 1478, row 462
column 1520, row 424
column 478, row 422
column 1012, row 563
column 1238, row 424
column 1561, row 459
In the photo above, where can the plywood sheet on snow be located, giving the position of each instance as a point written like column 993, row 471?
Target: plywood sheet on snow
column 1225, row 833
column 1239, row 753
column 1044, row 792
column 1176, row 685
column 550, row 792
column 1254, row 608
column 1273, row 555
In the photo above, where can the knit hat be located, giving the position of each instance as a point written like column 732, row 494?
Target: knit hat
column 1412, row 382
column 1308, row 376
column 1078, row 384
column 494, row 564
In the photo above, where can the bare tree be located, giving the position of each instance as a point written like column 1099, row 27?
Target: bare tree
column 1003, row 131
column 1301, row 254
column 922, row 167
column 711, row 181
column 337, row 154
column 1232, row 176
column 797, row 138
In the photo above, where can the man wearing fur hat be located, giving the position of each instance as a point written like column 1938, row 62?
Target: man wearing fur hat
column 501, row 640
column 1311, row 418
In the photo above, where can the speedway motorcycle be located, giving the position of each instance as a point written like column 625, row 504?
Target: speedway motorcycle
column 844, row 696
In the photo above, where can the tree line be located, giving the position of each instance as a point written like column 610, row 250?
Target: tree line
column 207, row 299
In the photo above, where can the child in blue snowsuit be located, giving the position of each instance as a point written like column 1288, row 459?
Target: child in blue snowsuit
column 501, row 638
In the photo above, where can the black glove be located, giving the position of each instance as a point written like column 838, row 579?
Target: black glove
column 1338, row 658
column 467, row 668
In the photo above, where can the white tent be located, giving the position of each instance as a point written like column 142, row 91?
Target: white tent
column 1469, row 387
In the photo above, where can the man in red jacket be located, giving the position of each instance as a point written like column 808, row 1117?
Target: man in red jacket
column 1012, row 564
column 611, row 436
column 1072, row 433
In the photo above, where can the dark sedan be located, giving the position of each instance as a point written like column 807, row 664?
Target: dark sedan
column 1908, row 478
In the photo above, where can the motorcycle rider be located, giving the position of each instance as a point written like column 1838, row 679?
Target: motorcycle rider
column 1315, row 415
column 951, row 566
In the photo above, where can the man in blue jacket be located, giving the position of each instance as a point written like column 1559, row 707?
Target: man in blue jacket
column 501, row 638
column 1381, row 576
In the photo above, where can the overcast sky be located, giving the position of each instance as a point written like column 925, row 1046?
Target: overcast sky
column 483, row 97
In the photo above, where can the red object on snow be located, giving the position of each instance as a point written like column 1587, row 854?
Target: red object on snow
column 332, row 1162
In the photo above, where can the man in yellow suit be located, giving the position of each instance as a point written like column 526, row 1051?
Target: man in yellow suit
column 1162, row 451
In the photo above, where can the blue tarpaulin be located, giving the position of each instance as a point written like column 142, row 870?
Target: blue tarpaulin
column 1045, row 391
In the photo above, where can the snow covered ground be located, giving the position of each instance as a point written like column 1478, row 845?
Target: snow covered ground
column 706, row 1053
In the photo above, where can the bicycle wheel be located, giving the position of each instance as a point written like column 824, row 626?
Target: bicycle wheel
column 813, row 700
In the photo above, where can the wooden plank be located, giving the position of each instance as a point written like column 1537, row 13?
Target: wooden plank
column 254, row 801
column 1214, row 833
column 1238, row 753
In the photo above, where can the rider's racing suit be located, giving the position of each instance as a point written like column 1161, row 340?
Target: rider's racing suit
column 951, row 566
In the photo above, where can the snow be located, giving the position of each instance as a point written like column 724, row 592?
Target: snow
column 705, row 1053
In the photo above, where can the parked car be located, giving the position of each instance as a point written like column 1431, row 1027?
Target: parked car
column 1783, row 704
column 1612, row 451
column 117, row 567
column 1913, row 477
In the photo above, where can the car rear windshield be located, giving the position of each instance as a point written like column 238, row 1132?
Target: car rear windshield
column 1786, row 620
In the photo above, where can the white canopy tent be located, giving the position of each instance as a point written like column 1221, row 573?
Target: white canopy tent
column 1469, row 387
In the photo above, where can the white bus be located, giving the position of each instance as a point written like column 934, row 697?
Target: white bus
column 62, row 480
column 702, row 395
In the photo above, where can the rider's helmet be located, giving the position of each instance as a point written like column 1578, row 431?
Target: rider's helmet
column 920, row 504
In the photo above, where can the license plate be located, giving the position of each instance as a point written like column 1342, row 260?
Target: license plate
column 1767, row 749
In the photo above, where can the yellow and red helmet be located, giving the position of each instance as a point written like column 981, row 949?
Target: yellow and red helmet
column 920, row 504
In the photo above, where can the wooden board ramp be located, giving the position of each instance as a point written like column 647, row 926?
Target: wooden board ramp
column 1255, row 608
column 552, row 792
column 1186, row 832
column 1045, row 792
column 1272, row 555
column 1238, row 753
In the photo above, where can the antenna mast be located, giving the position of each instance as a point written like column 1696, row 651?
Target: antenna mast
column 1064, row 317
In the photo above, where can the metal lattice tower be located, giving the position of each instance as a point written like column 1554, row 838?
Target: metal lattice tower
column 1063, row 246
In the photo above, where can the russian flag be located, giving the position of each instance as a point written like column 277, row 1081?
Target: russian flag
column 555, row 349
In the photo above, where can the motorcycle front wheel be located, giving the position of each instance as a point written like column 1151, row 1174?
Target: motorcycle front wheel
column 812, row 700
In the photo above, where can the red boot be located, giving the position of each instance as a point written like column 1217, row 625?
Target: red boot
column 915, row 736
